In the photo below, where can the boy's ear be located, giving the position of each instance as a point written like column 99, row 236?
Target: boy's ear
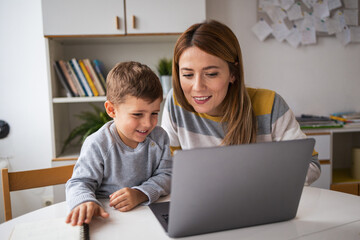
column 110, row 109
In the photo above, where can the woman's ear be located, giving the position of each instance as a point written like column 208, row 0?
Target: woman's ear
column 232, row 78
column 110, row 109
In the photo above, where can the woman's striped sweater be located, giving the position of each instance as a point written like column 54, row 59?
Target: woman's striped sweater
column 275, row 121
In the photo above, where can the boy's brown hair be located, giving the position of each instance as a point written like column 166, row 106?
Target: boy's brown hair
column 134, row 79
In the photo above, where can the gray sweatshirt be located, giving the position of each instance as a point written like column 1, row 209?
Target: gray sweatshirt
column 106, row 165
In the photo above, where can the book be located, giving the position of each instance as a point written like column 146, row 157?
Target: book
column 81, row 76
column 49, row 229
column 100, row 72
column 352, row 125
column 68, row 78
column 63, row 80
column 88, row 78
column 313, row 122
column 72, row 67
column 94, row 77
column 348, row 119
column 75, row 79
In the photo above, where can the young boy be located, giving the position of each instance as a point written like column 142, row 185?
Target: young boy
column 128, row 159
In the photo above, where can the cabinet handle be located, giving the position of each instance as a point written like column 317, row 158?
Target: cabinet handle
column 133, row 21
column 117, row 22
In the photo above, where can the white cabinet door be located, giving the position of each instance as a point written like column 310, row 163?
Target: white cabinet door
column 163, row 16
column 83, row 17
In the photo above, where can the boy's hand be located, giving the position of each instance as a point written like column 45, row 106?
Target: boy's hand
column 126, row 199
column 84, row 212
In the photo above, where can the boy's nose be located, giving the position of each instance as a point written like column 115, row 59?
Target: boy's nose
column 147, row 122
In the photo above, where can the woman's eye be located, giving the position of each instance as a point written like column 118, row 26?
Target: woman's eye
column 188, row 75
column 155, row 114
column 212, row 74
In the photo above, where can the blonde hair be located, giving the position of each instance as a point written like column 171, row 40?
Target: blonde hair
column 215, row 38
column 134, row 79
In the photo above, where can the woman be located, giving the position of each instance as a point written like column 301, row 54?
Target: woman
column 210, row 105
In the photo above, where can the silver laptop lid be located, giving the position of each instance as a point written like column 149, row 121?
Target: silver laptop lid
column 236, row 186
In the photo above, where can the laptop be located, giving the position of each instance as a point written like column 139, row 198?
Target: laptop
column 228, row 187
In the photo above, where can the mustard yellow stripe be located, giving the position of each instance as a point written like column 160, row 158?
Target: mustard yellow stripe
column 262, row 100
column 175, row 100
column 173, row 149
column 315, row 153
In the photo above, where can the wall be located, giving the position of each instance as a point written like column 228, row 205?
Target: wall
column 24, row 102
column 317, row 79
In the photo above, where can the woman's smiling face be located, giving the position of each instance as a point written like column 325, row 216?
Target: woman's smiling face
column 204, row 79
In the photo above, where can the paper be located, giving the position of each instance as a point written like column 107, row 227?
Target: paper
column 351, row 16
column 308, row 36
column 340, row 18
column 46, row 229
column 275, row 13
column 280, row 31
column 295, row 13
column 262, row 30
column 286, row 4
column 320, row 25
column 344, row 36
column 333, row 26
column 351, row 3
column 321, row 9
column 308, row 18
column 294, row 38
column 266, row 3
column 308, row 22
column 355, row 34
column 309, row 3
column 334, row 4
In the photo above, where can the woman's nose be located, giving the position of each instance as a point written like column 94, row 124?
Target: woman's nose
column 199, row 82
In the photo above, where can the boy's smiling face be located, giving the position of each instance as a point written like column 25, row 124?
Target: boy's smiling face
column 135, row 118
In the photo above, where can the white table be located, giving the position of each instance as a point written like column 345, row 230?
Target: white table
column 322, row 214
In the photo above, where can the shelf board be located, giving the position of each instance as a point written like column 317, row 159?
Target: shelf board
column 343, row 175
column 78, row 99
column 144, row 38
column 71, row 153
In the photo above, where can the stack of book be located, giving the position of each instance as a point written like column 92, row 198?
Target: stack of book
column 347, row 119
column 81, row 78
column 313, row 122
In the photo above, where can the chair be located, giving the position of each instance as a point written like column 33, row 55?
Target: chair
column 14, row 181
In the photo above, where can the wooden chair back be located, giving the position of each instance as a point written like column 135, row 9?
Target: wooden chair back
column 14, row 181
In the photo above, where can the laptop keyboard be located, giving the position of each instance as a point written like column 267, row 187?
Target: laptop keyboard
column 165, row 217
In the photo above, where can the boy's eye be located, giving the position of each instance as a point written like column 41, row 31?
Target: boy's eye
column 155, row 114
column 137, row 114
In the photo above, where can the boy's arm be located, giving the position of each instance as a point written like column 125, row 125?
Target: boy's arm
column 159, row 183
column 87, row 176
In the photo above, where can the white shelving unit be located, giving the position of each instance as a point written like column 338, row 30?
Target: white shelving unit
column 334, row 147
column 103, row 32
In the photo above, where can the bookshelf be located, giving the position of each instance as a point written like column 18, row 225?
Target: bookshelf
column 110, row 51
column 106, row 31
column 335, row 155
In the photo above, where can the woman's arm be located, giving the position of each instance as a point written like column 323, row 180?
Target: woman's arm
column 285, row 127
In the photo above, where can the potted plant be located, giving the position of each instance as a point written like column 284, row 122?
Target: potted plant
column 92, row 121
column 164, row 69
